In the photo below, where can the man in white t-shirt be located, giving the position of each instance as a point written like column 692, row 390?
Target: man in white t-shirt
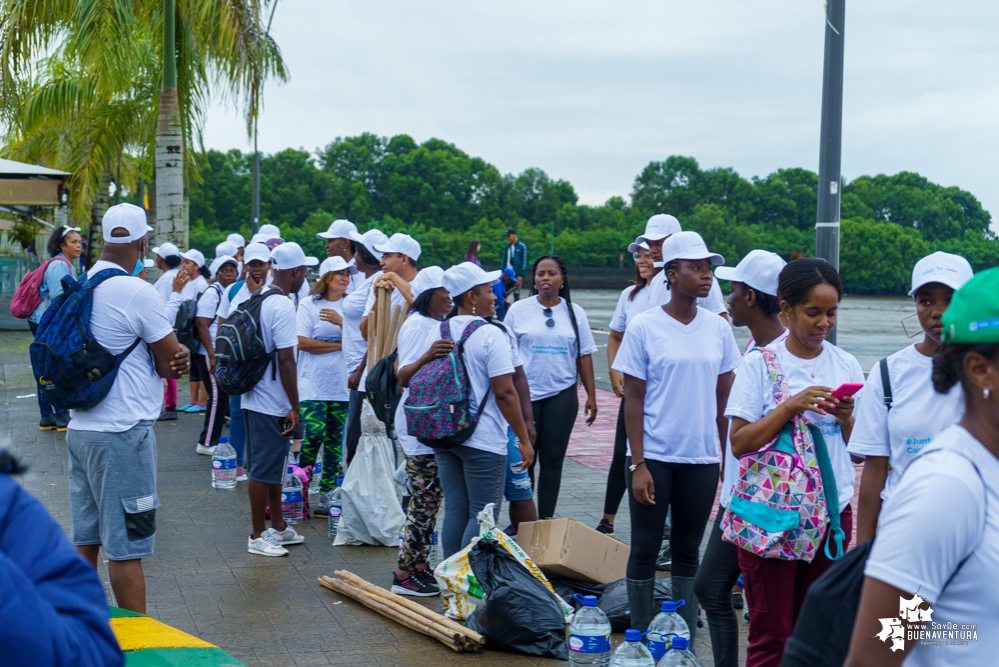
column 112, row 448
column 271, row 408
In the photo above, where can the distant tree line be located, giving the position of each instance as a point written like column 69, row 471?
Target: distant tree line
column 445, row 198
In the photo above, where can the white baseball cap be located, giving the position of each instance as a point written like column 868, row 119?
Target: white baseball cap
column 659, row 227
column 148, row 263
column 219, row 261
column 260, row 238
column 336, row 263
column 237, row 240
column 129, row 217
column 638, row 245
column 167, row 250
column 369, row 240
column 941, row 267
column 270, row 232
column 429, row 278
column 460, row 278
column 760, row 269
column 226, row 248
column 256, row 251
column 195, row 256
column 404, row 244
column 290, row 256
column 340, row 229
column 688, row 245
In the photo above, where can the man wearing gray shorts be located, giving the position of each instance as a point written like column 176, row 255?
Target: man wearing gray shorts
column 112, row 448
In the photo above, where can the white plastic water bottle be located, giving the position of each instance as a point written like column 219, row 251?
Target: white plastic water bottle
column 589, row 635
column 435, row 551
column 666, row 626
column 292, row 506
column 317, row 475
column 224, row 465
column 336, row 507
column 632, row 653
column 679, row 655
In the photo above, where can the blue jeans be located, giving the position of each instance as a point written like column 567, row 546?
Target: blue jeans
column 237, row 427
column 44, row 407
column 518, row 482
column 471, row 479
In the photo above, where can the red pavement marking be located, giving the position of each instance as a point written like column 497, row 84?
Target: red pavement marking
column 593, row 446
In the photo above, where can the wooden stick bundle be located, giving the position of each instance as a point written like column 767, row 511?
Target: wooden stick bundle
column 372, row 325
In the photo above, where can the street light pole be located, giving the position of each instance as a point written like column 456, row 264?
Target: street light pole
column 830, row 142
column 256, row 153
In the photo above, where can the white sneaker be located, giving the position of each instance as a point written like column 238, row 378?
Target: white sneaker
column 266, row 545
column 241, row 478
column 286, row 536
column 207, row 451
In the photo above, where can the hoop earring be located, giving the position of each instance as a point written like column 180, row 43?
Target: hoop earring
column 986, row 393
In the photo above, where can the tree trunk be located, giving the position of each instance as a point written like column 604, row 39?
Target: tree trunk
column 95, row 235
column 170, row 225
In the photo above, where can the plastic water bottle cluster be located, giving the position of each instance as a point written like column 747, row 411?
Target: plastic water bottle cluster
column 224, row 465
column 666, row 627
column 292, row 495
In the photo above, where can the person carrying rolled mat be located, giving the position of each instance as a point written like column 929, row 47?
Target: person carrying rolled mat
column 430, row 307
column 752, row 303
column 809, row 291
column 889, row 438
column 939, row 531
column 472, row 474
column 677, row 361
column 322, row 375
column 206, row 321
column 633, row 300
column 554, row 338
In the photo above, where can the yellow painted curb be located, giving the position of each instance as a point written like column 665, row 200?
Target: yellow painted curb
column 135, row 633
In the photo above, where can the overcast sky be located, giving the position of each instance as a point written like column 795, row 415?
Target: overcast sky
column 592, row 91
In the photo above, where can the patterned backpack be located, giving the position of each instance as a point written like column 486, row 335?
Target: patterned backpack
column 779, row 507
column 438, row 408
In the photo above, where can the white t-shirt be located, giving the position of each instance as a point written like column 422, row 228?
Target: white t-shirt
column 208, row 306
column 164, row 284
column 944, row 512
column 354, row 345
column 680, row 364
column 549, row 353
column 126, row 308
column 412, row 345
column 486, row 355
column 321, row 377
column 752, row 397
column 627, row 308
column 917, row 413
column 296, row 298
column 660, row 296
column 278, row 329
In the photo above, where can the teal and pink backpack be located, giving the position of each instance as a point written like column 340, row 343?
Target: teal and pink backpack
column 779, row 505
column 438, row 407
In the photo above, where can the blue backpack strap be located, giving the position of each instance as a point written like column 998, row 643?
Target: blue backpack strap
column 830, row 491
column 234, row 288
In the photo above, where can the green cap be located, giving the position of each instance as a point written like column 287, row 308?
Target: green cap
column 973, row 314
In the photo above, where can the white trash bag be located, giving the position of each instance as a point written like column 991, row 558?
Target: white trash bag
column 372, row 511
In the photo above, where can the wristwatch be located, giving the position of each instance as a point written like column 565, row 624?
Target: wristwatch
column 634, row 467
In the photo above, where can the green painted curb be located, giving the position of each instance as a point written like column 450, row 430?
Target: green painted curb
column 181, row 657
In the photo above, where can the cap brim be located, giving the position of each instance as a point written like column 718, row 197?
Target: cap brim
column 490, row 277
column 651, row 237
column 382, row 248
column 727, row 273
column 715, row 259
column 311, row 261
column 953, row 284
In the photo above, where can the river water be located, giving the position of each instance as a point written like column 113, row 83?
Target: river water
column 869, row 328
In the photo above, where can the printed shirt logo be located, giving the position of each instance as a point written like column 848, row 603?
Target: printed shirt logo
column 915, row 623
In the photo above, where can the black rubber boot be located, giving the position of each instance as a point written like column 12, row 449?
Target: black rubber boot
column 683, row 589
column 641, row 602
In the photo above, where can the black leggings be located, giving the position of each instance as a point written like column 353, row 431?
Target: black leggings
column 217, row 407
column 616, row 484
column 690, row 489
column 713, row 585
column 553, row 418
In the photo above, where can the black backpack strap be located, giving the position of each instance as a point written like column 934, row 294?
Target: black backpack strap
column 886, row 382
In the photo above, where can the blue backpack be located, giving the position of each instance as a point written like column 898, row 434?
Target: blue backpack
column 73, row 370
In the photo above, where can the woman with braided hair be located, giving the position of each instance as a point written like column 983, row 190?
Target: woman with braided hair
column 554, row 339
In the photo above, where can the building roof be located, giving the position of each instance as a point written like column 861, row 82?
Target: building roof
column 10, row 168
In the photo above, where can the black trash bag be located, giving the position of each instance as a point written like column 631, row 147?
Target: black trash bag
column 519, row 613
column 568, row 588
column 614, row 601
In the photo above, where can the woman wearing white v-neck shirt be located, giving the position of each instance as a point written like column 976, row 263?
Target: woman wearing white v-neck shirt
column 895, row 435
column 677, row 361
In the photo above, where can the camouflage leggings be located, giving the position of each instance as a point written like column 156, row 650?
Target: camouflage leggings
column 323, row 425
column 421, row 518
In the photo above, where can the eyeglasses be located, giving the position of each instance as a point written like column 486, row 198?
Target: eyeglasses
column 549, row 322
column 641, row 255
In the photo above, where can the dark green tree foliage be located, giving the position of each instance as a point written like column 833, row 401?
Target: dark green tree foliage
column 445, row 198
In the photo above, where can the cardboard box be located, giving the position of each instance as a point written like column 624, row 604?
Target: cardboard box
column 567, row 549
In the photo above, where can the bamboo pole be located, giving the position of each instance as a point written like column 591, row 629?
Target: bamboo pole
column 385, row 608
column 402, row 320
column 363, row 585
column 383, row 299
column 393, row 331
column 372, row 326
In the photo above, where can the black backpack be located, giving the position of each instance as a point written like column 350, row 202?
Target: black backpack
column 240, row 356
column 382, row 389
column 183, row 324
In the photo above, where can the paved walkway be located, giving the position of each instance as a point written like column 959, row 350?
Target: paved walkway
column 271, row 611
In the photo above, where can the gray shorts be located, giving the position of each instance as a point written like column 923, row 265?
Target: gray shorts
column 112, row 490
column 266, row 449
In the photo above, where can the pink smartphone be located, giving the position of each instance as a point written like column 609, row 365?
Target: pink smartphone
column 846, row 389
